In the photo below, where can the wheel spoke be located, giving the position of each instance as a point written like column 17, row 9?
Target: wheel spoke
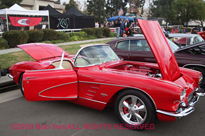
column 134, row 100
column 127, row 115
column 138, row 117
column 141, row 108
column 125, row 104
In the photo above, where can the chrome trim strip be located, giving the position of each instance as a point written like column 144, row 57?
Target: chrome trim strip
column 93, row 100
column 103, row 94
column 86, row 76
column 193, row 65
column 27, row 78
column 91, row 91
column 185, row 112
column 94, row 87
column 55, row 87
column 10, row 76
column 121, row 86
column 90, row 95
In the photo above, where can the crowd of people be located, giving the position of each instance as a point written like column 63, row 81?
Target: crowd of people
column 123, row 27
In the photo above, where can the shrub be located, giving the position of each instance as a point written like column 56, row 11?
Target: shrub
column 35, row 35
column 89, row 31
column 3, row 44
column 62, row 36
column 49, row 35
column 75, row 38
column 15, row 37
column 113, row 34
column 82, row 34
column 98, row 32
column 106, row 31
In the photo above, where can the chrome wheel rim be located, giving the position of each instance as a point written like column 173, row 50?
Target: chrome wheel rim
column 132, row 110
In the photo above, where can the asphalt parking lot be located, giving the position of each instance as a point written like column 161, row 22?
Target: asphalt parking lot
column 16, row 111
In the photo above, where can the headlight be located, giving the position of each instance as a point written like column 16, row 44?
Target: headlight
column 183, row 94
column 200, row 79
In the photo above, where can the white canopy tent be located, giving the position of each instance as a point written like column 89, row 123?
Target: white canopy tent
column 18, row 10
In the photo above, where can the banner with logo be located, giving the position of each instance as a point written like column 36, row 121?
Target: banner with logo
column 25, row 21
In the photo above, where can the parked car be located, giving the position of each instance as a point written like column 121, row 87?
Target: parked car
column 96, row 77
column 182, row 39
column 137, row 49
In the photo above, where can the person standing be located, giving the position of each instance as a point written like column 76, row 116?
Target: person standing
column 117, row 25
column 126, row 25
column 122, row 27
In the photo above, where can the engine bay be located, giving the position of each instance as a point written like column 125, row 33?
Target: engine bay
column 137, row 69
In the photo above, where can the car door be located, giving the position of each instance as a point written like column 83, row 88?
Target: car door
column 140, row 51
column 122, row 49
column 53, row 84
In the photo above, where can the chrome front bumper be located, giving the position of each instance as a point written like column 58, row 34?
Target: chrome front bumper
column 189, row 108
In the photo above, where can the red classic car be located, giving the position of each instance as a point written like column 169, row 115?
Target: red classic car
column 97, row 78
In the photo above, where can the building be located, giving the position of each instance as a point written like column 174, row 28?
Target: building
column 41, row 4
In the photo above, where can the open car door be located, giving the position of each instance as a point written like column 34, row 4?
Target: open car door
column 53, row 84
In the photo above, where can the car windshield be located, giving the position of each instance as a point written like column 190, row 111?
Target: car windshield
column 173, row 46
column 95, row 55
column 198, row 39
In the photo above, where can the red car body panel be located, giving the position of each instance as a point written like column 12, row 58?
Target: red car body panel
column 42, row 85
column 161, row 49
column 39, row 51
column 97, row 86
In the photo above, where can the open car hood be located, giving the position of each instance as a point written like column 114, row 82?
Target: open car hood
column 40, row 51
column 158, row 44
column 190, row 46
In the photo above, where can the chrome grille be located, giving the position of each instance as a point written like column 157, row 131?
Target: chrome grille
column 191, row 95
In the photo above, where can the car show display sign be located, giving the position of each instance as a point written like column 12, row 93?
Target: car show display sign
column 25, row 21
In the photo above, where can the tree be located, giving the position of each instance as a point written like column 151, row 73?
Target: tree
column 180, row 11
column 113, row 7
column 71, row 4
column 82, row 7
column 93, row 9
column 139, row 4
column 8, row 3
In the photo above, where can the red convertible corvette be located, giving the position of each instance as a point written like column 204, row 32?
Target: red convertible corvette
column 97, row 78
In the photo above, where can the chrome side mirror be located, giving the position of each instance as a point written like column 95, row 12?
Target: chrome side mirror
column 61, row 63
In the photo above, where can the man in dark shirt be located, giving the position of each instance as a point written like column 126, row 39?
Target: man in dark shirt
column 117, row 26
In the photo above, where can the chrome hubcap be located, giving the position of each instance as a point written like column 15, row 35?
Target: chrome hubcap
column 132, row 110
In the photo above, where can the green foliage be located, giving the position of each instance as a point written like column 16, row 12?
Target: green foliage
column 89, row 31
column 98, row 32
column 179, row 10
column 57, row 41
column 113, row 7
column 71, row 4
column 106, row 31
column 3, row 44
column 62, row 36
column 81, row 34
column 75, row 38
column 15, row 37
column 93, row 9
column 113, row 34
column 49, row 35
column 35, row 35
